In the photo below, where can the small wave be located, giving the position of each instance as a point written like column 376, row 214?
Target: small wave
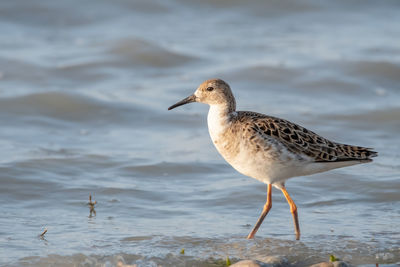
column 378, row 69
column 265, row 73
column 266, row 9
column 139, row 194
column 60, row 15
column 388, row 117
column 172, row 169
column 18, row 188
column 133, row 52
column 325, row 86
column 382, row 73
column 143, row 6
column 65, row 107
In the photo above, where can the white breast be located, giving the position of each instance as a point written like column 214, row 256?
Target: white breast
column 218, row 122
column 227, row 144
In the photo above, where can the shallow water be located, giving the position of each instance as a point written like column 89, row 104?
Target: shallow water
column 84, row 88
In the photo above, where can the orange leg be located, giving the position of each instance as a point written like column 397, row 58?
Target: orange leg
column 293, row 210
column 264, row 213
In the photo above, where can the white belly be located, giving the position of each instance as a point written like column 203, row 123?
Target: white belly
column 272, row 167
column 264, row 167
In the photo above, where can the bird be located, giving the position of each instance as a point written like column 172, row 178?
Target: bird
column 269, row 149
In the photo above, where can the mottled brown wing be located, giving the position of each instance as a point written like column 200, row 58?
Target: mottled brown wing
column 299, row 140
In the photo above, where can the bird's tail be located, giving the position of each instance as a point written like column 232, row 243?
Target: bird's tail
column 349, row 152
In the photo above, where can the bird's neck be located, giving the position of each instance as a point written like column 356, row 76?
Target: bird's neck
column 219, row 118
column 222, row 109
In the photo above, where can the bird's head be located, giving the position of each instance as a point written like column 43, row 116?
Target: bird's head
column 211, row 92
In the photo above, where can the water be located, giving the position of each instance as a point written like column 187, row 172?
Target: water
column 84, row 88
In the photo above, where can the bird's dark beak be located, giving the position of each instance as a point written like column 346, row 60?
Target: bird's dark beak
column 187, row 100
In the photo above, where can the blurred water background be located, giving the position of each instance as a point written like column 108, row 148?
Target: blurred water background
column 84, row 91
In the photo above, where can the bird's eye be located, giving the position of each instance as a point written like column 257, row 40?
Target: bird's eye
column 210, row 88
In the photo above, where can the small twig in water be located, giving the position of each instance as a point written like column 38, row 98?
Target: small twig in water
column 44, row 232
column 91, row 206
